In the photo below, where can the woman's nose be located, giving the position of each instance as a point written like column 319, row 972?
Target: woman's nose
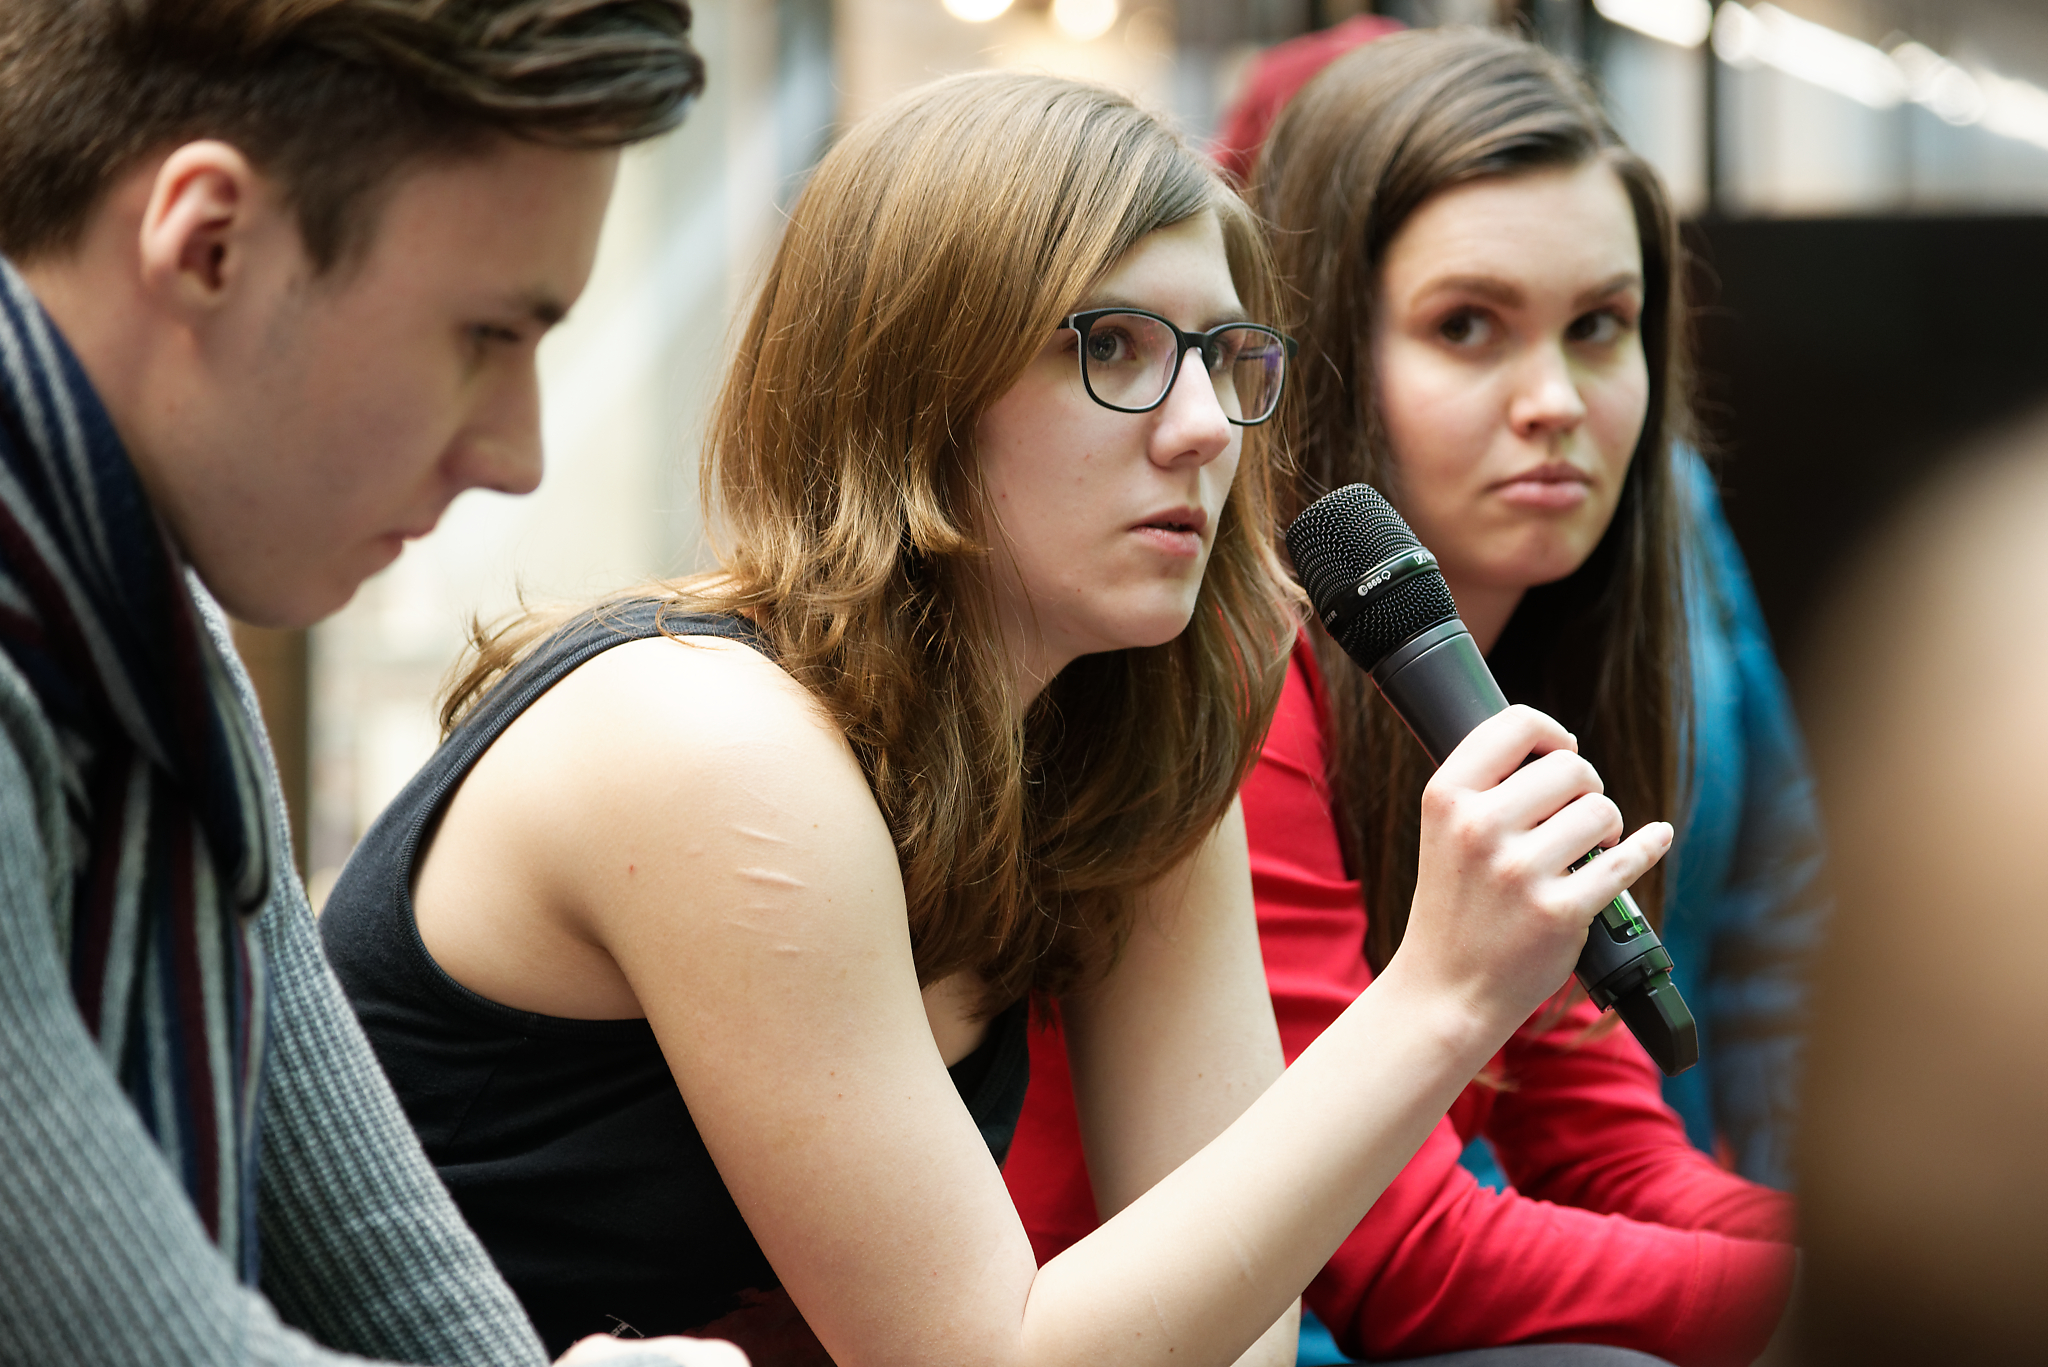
column 1192, row 424
column 1546, row 399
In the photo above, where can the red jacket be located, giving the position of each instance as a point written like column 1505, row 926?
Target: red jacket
column 1617, row 1231
column 1277, row 74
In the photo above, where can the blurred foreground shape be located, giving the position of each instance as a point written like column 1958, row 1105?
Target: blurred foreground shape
column 1924, row 1192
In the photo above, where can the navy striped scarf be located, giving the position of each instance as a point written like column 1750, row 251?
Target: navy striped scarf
column 169, row 853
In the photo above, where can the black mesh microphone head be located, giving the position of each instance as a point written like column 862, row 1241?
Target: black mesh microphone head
column 1335, row 542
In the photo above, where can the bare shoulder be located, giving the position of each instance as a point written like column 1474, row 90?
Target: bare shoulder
column 658, row 760
column 652, row 718
column 692, row 686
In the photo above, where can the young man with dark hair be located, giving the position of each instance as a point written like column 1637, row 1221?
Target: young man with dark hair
column 272, row 273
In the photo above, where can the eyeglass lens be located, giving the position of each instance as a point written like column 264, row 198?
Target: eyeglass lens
column 1131, row 361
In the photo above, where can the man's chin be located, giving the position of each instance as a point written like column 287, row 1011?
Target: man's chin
column 290, row 604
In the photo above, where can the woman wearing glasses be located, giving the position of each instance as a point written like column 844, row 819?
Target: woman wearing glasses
column 700, row 953
column 1491, row 333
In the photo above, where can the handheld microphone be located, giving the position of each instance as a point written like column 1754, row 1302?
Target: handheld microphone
column 1378, row 591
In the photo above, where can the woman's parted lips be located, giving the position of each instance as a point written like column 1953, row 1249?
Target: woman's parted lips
column 1182, row 519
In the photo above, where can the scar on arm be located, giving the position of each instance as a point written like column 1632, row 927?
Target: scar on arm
column 762, row 923
column 772, row 877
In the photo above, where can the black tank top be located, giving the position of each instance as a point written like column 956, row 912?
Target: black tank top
column 566, row 1142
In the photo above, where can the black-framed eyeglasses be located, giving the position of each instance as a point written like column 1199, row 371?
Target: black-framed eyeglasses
column 1130, row 359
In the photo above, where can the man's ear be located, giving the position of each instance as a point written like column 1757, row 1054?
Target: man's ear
column 207, row 208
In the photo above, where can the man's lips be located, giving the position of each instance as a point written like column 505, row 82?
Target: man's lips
column 415, row 531
column 392, row 543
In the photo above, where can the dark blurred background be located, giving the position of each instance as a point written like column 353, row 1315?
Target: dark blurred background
column 1840, row 360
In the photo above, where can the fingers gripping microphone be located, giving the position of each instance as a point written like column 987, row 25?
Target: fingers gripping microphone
column 1380, row 594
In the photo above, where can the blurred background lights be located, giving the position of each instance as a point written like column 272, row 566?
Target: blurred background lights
column 2016, row 109
column 1738, row 37
column 1748, row 37
column 976, row 11
column 1935, row 82
column 1084, row 19
column 1816, row 54
column 1683, row 22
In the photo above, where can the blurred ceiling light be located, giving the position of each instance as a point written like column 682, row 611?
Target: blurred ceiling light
column 976, row 11
column 1767, row 36
column 1084, row 19
column 2017, row 109
column 1934, row 81
column 1737, row 37
column 1684, row 22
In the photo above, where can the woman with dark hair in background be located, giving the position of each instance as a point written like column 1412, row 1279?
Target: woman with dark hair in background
column 699, row 952
column 1490, row 316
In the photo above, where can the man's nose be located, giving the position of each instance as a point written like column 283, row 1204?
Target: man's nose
column 500, row 448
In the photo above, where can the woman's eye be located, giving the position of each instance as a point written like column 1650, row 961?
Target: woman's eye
column 1108, row 346
column 485, row 334
column 1600, row 328
column 1466, row 328
column 1226, row 349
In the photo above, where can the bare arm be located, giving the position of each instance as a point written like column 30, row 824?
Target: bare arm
column 1174, row 1047
column 728, row 857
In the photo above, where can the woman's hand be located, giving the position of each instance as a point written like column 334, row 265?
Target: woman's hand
column 682, row 1352
column 1498, row 920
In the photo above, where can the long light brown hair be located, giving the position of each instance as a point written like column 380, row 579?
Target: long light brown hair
column 930, row 256
column 1352, row 157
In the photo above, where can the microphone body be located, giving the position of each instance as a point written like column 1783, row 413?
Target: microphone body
column 1394, row 616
